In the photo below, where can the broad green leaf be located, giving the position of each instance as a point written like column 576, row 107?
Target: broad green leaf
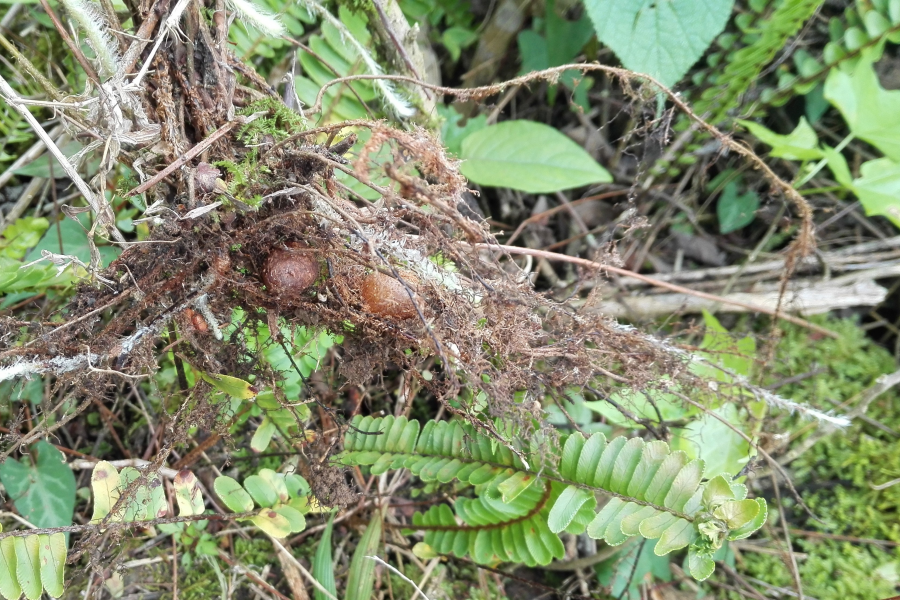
column 737, row 513
column 294, row 517
column 277, row 483
column 700, row 566
column 871, row 112
column 70, row 237
column 515, row 485
column 736, row 211
column 758, row 521
column 22, row 234
column 233, row 386
column 188, row 494
column 722, row 450
column 296, row 485
column 9, row 581
column 676, row 536
column 639, row 404
column 800, row 144
column 453, row 131
column 43, row 491
column 261, row 491
column 528, row 156
column 878, row 189
column 52, row 553
column 838, row 166
column 566, row 507
column 232, row 494
column 28, row 566
column 263, row 435
column 361, row 579
column 625, row 575
column 322, row 567
column 661, row 39
column 272, row 523
column 105, row 487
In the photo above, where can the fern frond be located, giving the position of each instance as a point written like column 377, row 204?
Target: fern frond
column 655, row 493
column 745, row 65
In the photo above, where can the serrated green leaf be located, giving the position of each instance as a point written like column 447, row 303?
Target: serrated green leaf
column 653, row 527
column 361, row 579
column 597, row 528
column 43, row 492
column 661, row 39
column 685, row 484
column 188, row 494
column 105, row 486
column 605, row 467
column 626, row 463
column 322, row 567
column 28, row 566
column 263, row 435
column 52, row 554
column 528, row 156
column 232, row 494
column 717, row 490
column 9, row 582
column 652, row 457
column 700, row 566
column 590, row 458
column 566, row 507
column 515, row 485
column 678, row 535
column 570, row 454
column 758, row 521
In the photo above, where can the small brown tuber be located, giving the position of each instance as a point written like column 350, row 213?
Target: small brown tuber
column 290, row 272
column 387, row 297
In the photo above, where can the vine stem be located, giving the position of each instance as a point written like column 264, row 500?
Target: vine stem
column 805, row 241
column 655, row 282
column 127, row 525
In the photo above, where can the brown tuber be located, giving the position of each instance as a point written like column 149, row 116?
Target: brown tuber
column 387, row 297
column 290, row 272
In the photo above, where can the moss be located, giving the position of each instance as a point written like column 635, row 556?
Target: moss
column 834, row 477
column 832, row 571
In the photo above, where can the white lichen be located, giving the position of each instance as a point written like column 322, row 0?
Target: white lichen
column 400, row 106
column 90, row 18
column 258, row 17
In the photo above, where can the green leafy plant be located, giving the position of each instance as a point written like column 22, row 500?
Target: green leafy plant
column 661, row 39
column 41, row 486
column 528, row 156
column 526, row 496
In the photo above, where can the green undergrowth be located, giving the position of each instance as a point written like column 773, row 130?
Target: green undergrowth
column 836, row 475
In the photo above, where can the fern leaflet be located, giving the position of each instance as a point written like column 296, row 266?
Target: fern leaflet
column 518, row 512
